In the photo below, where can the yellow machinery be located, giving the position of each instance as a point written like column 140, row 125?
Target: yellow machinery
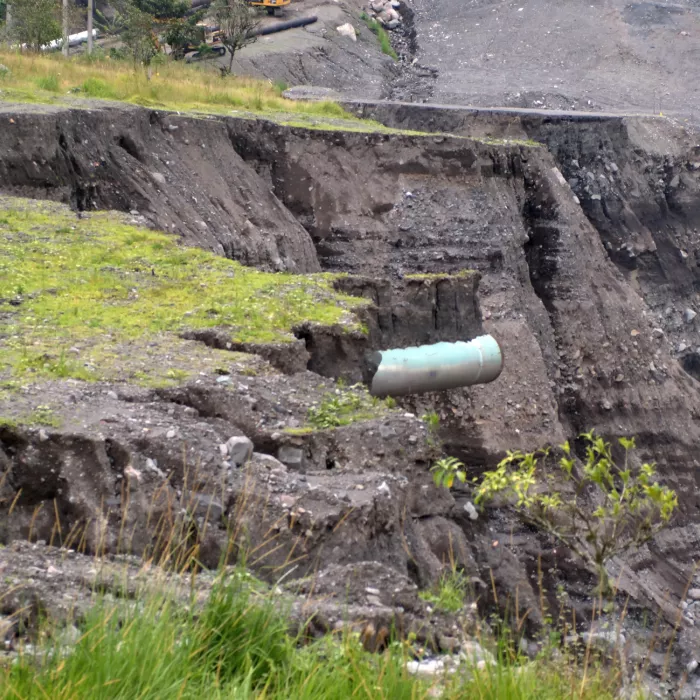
column 269, row 5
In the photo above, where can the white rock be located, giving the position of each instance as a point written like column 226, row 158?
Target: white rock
column 152, row 466
column 471, row 510
column 347, row 30
column 430, row 667
column 159, row 178
column 384, row 488
column 692, row 665
column 689, row 315
column 694, row 594
column 170, row 434
column 240, row 449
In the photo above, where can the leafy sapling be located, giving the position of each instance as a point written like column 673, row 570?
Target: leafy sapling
column 597, row 508
column 446, row 470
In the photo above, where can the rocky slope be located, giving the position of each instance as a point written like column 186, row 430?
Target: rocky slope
column 583, row 348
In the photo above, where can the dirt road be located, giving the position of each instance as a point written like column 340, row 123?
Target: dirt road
column 605, row 54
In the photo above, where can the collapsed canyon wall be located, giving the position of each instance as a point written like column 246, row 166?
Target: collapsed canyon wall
column 583, row 348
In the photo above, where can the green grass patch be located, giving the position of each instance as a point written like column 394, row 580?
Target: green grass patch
column 78, row 296
column 343, row 406
column 381, row 34
column 450, row 593
column 51, row 83
column 174, row 85
column 437, row 276
column 96, row 87
column 236, row 646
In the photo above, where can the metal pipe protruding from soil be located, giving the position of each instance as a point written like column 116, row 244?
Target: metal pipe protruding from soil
column 434, row 367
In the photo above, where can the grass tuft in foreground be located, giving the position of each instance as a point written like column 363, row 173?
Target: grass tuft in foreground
column 237, row 647
column 73, row 291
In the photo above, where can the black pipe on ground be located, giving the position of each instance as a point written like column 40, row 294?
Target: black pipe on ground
column 282, row 26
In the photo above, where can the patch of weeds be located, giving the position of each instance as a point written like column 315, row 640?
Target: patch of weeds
column 177, row 374
column 280, row 86
column 303, row 430
column 43, row 415
column 450, row 593
column 381, row 34
column 6, row 422
column 344, row 406
column 50, row 83
column 432, row 420
column 95, row 87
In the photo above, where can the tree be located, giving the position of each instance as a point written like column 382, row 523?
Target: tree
column 598, row 509
column 35, row 23
column 163, row 9
column 182, row 33
column 139, row 36
column 237, row 24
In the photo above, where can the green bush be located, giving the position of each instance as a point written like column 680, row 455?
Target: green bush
column 95, row 87
column 597, row 508
column 51, row 83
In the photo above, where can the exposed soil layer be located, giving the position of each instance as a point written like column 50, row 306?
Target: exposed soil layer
column 180, row 174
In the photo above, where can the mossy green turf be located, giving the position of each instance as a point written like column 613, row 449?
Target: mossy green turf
column 82, row 297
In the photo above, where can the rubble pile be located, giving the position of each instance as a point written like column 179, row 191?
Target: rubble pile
column 386, row 12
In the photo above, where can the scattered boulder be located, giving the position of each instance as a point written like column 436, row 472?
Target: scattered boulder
column 347, row 30
column 240, row 450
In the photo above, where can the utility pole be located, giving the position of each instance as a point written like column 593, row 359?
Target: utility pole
column 89, row 25
column 8, row 25
column 64, row 47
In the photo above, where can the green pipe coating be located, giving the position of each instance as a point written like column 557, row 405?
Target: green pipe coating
column 436, row 367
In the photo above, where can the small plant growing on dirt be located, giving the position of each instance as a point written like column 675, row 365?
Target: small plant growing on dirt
column 446, row 470
column 450, row 593
column 628, row 505
column 344, row 406
column 432, row 420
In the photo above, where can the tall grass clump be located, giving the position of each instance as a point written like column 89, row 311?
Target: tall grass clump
column 96, row 87
column 50, row 83
column 381, row 34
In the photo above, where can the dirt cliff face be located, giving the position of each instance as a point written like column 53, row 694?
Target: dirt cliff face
column 581, row 343
column 180, row 174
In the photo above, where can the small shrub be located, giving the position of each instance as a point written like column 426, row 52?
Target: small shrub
column 280, row 86
column 627, row 505
column 94, row 87
column 50, row 83
column 446, row 470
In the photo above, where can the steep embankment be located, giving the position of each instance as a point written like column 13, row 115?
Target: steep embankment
column 582, row 348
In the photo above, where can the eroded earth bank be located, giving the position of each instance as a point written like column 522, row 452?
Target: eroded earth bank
column 574, row 243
